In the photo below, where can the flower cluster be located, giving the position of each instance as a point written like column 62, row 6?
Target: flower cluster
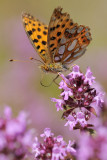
column 79, row 98
column 15, row 138
column 91, row 148
column 53, row 148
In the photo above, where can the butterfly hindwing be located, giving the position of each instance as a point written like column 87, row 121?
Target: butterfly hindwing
column 67, row 41
column 37, row 33
column 55, row 31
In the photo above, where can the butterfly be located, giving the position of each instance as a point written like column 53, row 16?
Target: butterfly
column 58, row 44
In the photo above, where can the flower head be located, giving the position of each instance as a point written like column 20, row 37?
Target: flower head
column 79, row 98
column 15, row 138
column 52, row 148
column 93, row 147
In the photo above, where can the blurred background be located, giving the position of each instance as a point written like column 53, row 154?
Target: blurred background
column 20, row 82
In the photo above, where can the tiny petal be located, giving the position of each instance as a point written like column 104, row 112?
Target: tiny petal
column 89, row 77
column 59, row 103
column 35, row 147
column 47, row 133
column 75, row 72
column 59, row 138
column 71, row 122
column 67, row 93
column 80, row 90
column 70, row 149
column 81, row 119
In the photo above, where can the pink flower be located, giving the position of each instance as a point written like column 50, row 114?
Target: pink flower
column 59, row 103
column 93, row 147
column 52, row 148
column 79, row 97
column 15, row 138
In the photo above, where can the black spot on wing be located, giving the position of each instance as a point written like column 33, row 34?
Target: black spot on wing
column 53, row 38
column 38, row 47
column 51, row 45
column 42, row 51
column 44, row 42
column 33, row 29
column 71, row 23
column 53, row 49
column 45, row 27
column 39, row 36
column 44, row 32
column 29, row 32
column 39, row 29
column 63, row 25
column 57, row 26
column 35, row 40
column 59, row 33
column 59, row 40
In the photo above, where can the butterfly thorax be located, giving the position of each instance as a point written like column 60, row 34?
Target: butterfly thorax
column 53, row 67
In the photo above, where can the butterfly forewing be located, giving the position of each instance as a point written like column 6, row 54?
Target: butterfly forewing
column 66, row 40
column 37, row 33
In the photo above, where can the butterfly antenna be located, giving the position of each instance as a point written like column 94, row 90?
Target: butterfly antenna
column 15, row 60
column 54, row 80
column 31, row 58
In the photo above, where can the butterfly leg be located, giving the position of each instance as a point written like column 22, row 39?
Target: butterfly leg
column 54, row 80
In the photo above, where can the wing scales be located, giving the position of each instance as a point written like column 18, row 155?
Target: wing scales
column 67, row 41
column 37, row 33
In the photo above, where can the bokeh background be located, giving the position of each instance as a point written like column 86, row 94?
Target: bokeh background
column 20, row 82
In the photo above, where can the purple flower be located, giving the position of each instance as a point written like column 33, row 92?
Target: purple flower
column 93, row 147
column 52, row 148
column 89, row 77
column 59, row 104
column 76, row 120
column 47, row 133
column 67, row 93
column 15, row 138
column 71, row 122
column 79, row 97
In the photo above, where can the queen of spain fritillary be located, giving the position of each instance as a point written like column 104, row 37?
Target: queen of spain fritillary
column 58, row 44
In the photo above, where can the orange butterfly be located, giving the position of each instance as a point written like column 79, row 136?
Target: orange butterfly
column 58, row 44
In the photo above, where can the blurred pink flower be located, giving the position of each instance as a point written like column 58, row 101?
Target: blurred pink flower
column 93, row 147
column 15, row 138
column 52, row 148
